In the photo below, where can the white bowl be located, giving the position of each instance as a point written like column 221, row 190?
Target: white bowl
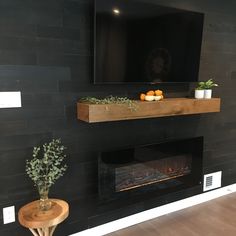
column 149, row 98
column 157, row 98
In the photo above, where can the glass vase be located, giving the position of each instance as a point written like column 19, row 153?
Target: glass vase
column 45, row 203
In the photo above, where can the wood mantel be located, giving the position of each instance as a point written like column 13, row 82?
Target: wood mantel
column 168, row 107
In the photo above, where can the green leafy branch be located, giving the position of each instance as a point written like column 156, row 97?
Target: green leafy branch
column 47, row 166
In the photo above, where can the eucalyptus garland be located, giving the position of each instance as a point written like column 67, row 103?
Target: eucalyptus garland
column 111, row 100
column 47, row 166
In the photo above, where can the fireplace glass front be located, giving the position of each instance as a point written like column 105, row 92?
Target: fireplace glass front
column 160, row 168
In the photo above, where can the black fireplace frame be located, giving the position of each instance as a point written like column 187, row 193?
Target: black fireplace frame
column 106, row 175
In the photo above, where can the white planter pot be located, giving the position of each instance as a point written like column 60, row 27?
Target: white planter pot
column 199, row 94
column 207, row 93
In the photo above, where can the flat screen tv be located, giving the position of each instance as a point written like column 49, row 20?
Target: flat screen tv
column 136, row 41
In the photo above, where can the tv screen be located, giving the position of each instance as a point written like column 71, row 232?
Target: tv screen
column 140, row 42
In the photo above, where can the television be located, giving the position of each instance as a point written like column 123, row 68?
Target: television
column 137, row 41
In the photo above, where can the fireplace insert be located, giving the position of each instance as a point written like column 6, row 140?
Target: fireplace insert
column 158, row 168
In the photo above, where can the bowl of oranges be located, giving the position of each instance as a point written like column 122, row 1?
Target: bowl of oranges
column 152, row 95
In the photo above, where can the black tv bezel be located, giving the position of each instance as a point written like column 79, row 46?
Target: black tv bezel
column 143, row 82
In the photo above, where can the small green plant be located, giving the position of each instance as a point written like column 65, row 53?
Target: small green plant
column 209, row 84
column 47, row 165
column 200, row 86
column 111, row 100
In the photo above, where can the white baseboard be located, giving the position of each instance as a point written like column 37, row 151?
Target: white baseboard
column 156, row 212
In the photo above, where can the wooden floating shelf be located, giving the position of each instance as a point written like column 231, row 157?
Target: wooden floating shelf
column 167, row 107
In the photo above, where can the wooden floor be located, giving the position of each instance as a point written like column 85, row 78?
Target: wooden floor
column 216, row 217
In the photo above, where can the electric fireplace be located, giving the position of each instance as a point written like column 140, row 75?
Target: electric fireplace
column 158, row 168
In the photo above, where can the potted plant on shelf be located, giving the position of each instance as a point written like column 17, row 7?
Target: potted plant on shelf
column 208, row 85
column 45, row 168
column 204, row 89
column 199, row 91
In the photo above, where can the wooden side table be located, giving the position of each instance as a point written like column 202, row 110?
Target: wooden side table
column 43, row 223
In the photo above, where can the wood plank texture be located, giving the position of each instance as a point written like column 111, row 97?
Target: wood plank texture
column 168, row 107
column 31, row 217
column 215, row 218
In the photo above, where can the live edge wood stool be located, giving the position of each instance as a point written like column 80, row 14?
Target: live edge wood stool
column 43, row 223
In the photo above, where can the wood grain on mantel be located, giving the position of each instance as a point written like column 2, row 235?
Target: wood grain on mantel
column 168, row 107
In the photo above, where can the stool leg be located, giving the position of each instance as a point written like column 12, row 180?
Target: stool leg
column 43, row 231
column 34, row 232
column 40, row 232
column 46, row 232
column 52, row 229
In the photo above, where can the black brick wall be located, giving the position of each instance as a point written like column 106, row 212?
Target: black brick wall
column 45, row 52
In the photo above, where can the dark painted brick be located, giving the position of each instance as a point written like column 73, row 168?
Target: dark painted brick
column 19, row 231
column 233, row 75
column 75, row 227
column 78, row 15
column 17, row 30
column 12, row 57
column 18, row 157
column 20, row 44
column 11, row 85
column 16, row 15
column 24, row 189
column 109, row 216
column 57, row 59
column 22, row 141
column 58, row 33
column 77, row 21
column 34, row 73
column 37, row 99
column 47, row 125
column 28, row 86
column 77, row 7
column 3, row 194
column 52, row 4
column 38, row 86
column 32, row 113
column 63, row 46
column 220, row 27
column 13, row 127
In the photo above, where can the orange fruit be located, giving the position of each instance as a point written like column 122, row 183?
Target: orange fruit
column 142, row 97
column 158, row 92
column 150, row 93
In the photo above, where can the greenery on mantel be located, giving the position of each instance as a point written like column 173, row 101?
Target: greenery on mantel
column 111, row 100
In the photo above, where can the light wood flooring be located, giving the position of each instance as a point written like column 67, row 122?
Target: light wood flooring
column 215, row 217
